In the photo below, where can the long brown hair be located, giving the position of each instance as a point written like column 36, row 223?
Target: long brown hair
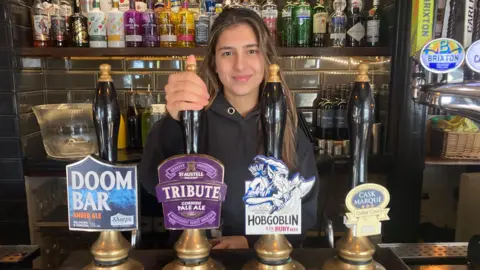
column 234, row 16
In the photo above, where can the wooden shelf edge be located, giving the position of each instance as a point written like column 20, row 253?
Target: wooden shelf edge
column 452, row 162
column 111, row 52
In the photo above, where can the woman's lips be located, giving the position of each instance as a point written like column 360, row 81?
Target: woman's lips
column 243, row 78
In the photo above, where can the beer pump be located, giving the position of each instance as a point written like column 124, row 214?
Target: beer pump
column 191, row 190
column 365, row 201
column 273, row 249
column 102, row 195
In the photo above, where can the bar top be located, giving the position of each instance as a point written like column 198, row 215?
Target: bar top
column 233, row 259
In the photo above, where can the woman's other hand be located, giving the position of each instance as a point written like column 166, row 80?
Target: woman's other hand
column 230, row 242
column 185, row 91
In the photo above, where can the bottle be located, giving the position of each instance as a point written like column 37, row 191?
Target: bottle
column 338, row 23
column 353, row 4
column 356, row 29
column 317, row 105
column 167, row 27
column 86, row 6
column 106, row 5
column 78, row 26
column 133, row 32
column 327, row 114
column 124, row 5
column 158, row 111
column 209, row 6
column 186, row 27
column 303, row 23
column 140, row 6
column 41, row 23
column 122, row 133
column 147, row 117
column 320, row 17
column 175, row 5
column 66, row 10
column 270, row 15
column 340, row 117
column 158, row 7
column 134, row 135
column 59, row 25
column 253, row 5
column 115, row 27
column 373, row 25
column 97, row 29
column 287, row 29
column 149, row 24
column 202, row 26
column 106, row 115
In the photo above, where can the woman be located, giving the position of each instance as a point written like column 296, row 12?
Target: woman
column 234, row 69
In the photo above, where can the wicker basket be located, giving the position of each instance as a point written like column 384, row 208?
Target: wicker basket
column 455, row 145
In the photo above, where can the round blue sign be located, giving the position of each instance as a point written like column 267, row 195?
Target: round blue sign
column 442, row 55
column 473, row 56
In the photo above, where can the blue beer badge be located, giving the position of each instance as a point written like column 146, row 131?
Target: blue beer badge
column 273, row 202
column 101, row 196
column 442, row 55
column 473, row 56
column 367, row 205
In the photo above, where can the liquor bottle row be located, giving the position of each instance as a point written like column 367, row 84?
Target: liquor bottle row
column 329, row 123
column 171, row 23
column 163, row 25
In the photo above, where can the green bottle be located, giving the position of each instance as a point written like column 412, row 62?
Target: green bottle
column 147, row 117
column 303, row 23
column 287, row 28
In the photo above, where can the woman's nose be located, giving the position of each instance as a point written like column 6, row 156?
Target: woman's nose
column 239, row 62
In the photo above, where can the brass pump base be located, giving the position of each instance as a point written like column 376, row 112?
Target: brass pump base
column 273, row 247
column 111, row 247
column 354, row 253
column 191, row 246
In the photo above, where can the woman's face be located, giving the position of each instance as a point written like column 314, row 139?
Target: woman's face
column 239, row 63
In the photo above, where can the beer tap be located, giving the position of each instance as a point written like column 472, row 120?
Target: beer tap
column 273, row 250
column 111, row 249
column 193, row 247
column 353, row 251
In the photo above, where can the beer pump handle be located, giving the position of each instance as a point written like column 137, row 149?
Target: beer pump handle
column 190, row 121
column 360, row 120
column 273, row 113
column 106, row 115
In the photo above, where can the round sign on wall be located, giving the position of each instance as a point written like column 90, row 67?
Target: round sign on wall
column 442, row 55
column 473, row 56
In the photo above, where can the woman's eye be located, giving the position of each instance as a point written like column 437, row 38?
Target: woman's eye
column 252, row 51
column 226, row 53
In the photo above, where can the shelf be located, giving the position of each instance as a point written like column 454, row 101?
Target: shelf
column 445, row 161
column 111, row 52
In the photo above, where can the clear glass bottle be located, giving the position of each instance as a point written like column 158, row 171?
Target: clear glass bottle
column 97, row 29
column 147, row 117
column 149, row 25
column 133, row 32
column 186, row 27
column 41, row 20
column 338, row 23
column 78, row 26
column 287, row 31
column 303, row 23
column 202, row 26
column 106, row 5
column 253, row 5
column 59, row 25
column 115, row 27
column 167, row 27
column 373, row 25
column 320, row 18
column 270, row 16
column 86, row 6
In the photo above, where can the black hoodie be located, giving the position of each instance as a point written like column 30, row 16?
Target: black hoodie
column 234, row 140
